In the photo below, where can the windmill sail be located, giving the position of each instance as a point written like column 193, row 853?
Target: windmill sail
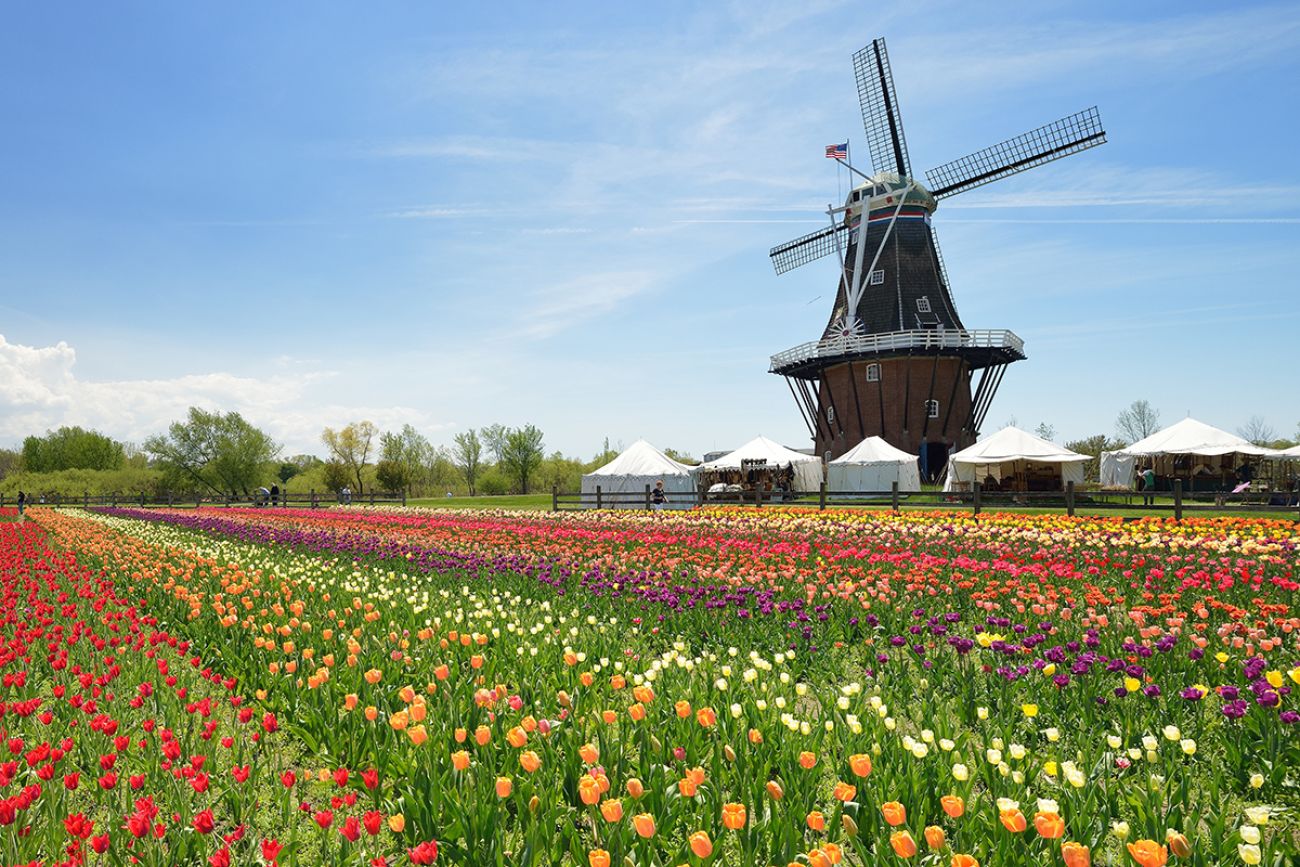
column 809, row 248
column 880, row 115
column 1058, row 139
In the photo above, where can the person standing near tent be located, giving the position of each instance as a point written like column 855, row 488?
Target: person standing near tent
column 1149, row 487
column 659, row 497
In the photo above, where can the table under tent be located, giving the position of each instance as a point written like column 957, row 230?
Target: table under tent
column 873, row 465
column 759, row 465
column 1204, row 457
column 1014, row 460
column 623, row 481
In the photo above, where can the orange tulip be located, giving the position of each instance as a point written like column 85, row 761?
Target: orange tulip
column 706, row 717
column 589, row 753
column 953, row 805
column 589, row 791
column 504, row 787
column 1013, row 821
column 397, row 823
column 755, row 737
column 530, row 761
column 961, row 860
column 934, row 837
column 1178, row 844
column 637, row 712
column 833, row 852
column 844, row 791
column 904, row 845
column 1148, row 853
column 774, row 790
column 860, row 764
column 1076, row 855
column 635, row 788
column 417, row 734
column 1049, row 825
column 644, row 824
column 459, row 735
column 516, row 737
column 598, row 858
column 373, row 676
column 612, row 810
column 895, row 813
column 807, row 760
column 733, row 816
column 683, row 708
column 460, row 760
column 701, row 845
column 687, row 787
column 818, row 858
column 482, row 735
column 816, row 821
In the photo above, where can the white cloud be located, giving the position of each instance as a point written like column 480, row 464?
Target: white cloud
column 39, row 390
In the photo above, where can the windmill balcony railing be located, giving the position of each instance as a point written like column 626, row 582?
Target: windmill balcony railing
column 898, row 341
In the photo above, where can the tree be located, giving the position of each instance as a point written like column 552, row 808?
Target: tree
column 71, row 448
column 1137, row 422
column 404, row 459
column 336, row 475
column 223, row 453
column 351, row 446
column 468, row 455
column 1258, row 431
column 494, row 440
column 442, row 471
column 522, row 454
column 1045, row 431
column 10, row 461
column 681, row 457
column 1093, row 446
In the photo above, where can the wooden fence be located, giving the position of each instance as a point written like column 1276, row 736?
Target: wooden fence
column 195, row 499
column 1175, row 503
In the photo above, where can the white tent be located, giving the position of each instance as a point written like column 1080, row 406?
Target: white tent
column 1187, row 437
column 639, row 465
column 807, row 469
column 873, row 465
column 1291, row 454
column 1018, row 456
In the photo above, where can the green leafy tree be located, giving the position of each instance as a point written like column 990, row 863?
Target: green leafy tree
column 223, row 453
column 11, row 461
column 681, row 457
column 561, row 472
column 607, row 454
column 404, row 459
column 522, row 454
column 336, row 475
column 1093, row 446
column 1045, row 431
column 71, row 448
column 351, row 446
column 467, row 454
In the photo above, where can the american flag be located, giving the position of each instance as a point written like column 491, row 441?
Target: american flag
column 837, row 152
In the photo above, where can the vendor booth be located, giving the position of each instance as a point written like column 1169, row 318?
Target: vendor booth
column 873, row 465
column 1014, row 460
column 639, row 465
column 761, row 464
column 1204, row 457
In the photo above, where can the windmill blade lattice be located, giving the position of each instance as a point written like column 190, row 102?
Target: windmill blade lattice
column 1058, row 139
column 880, row 115
column 809, row 248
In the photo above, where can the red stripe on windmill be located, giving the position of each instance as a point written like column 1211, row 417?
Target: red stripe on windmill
column 895, row 360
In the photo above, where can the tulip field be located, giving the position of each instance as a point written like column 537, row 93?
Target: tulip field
column 715, row 687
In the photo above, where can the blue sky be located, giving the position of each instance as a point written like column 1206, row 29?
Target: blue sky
column 457, row 215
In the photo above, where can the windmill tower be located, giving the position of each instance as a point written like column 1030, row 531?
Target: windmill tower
column 895, row 360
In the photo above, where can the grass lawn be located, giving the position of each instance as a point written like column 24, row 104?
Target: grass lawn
column 512, row 501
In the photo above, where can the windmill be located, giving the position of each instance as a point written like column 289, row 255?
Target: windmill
column 895, row 360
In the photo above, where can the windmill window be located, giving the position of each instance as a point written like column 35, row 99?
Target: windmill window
column 830, row 413
column 932, row 408
column 873, row 373
column 923, row 304
column 877, row 277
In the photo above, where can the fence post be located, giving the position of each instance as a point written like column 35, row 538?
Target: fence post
column 977, row 498
column 647, row 497
column 1069, row 498
column 1178, row 499
column 555, row 498
column 85, row 499
column 142, row 500
column 893, row 494
column 600, row 498
column 821, row 500
column 170, row 498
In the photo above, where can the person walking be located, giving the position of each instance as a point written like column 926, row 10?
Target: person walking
column 22, row 503
column 659, row 497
